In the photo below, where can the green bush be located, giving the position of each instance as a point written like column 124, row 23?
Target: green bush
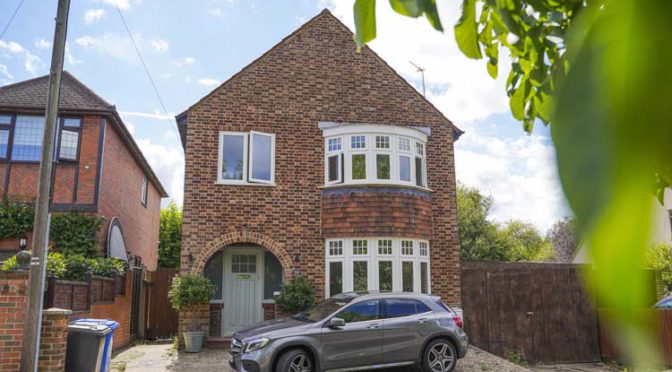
column 75, row 267
column 297, row 295
column 107, row 266
column 190, row 289
column 9, row 264
column 17, row 219
column 56, row 265
column 659, row 258
column 74, row 233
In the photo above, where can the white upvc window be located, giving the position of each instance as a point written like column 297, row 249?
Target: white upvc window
column 246, row 158
column 375, row 154
column 358, row 264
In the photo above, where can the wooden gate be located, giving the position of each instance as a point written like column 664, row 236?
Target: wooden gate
column 161, row 318
column 538, row 311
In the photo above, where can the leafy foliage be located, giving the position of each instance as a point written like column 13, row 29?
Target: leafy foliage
column 74, row 267
column 564, row 237
column 170, row 236
column 17, row 219
column 596, row 70
column 296, row 295
column 107, row 266
column 484, row 240
column 75, row 233
column 659, row 258
column 189, row 289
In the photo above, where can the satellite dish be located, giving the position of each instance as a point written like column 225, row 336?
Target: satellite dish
column 115, row 241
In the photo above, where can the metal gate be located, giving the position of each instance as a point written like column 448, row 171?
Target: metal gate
column 538, row 311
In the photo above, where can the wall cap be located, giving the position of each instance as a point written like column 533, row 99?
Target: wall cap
column 56, row 311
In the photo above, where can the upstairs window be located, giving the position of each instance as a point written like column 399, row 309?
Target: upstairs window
column 27, row 142
column 375, row 154
column 5, row 128
column 143, row 195
column 69, row 137
column 246, row 158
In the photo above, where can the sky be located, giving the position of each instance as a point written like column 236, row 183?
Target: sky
column 190, row 47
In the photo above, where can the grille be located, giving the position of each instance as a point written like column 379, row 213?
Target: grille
column 250, row 366
column 236, row 346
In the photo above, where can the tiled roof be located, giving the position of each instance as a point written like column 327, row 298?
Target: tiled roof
column 33, row 94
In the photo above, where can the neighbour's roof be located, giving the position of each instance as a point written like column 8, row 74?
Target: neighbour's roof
column 75, row 97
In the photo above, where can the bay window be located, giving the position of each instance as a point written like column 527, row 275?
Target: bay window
column 375, row 154
column 384, row 264
column 246, row 158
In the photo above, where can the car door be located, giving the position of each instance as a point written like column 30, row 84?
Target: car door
column 359, row 342
column 404, row 329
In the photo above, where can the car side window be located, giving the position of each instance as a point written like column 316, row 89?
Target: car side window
column 397, row 308
column 361, row 312
column 665, row 304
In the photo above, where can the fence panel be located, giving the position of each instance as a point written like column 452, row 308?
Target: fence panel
column 162, row 319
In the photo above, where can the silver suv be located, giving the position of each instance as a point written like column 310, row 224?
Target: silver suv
column 355, row 331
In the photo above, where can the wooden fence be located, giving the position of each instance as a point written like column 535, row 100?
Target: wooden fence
column 78, row 296
column 161, row 318
column 661, row 320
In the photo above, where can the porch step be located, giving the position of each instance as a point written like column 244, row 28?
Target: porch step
column 218, row 342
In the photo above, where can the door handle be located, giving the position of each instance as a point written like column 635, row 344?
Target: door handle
column 422, row 321
column 373, row 326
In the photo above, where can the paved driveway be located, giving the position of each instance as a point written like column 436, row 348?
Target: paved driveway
column 155, row 358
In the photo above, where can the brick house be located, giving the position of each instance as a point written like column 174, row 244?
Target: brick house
column 319, row 161
column 99, row 169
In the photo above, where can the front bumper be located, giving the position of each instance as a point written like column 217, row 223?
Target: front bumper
column 255, row 361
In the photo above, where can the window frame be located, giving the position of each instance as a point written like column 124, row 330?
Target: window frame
column 373, row 257
column 371, row 133
column 220, row 158
column 144, row 191
column 248, row 158
column 13, row 137
column 10, row 128
column 251, row 179
column 61, row 129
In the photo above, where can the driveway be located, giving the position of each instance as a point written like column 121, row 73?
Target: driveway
column 155, row 358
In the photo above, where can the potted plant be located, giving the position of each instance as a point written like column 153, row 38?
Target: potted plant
column 296, row 295
column 187, row 291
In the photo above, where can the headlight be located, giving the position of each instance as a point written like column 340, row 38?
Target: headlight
column 256, row 344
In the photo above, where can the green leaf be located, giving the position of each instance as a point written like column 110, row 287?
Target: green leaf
column 432, row 14
column 409, row 8
column 517, row 100
column 492, row 68
column 544, row 106
column 365, row 21
column 466, row 30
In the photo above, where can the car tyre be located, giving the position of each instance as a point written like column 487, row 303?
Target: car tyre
column 439, row 356
column 295, row 360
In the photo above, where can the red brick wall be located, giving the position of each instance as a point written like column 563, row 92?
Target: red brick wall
column 194, row 317
column 53, row 340
column 120, row 196
column 216, row 319
column 13, row 289
column 315, row 75
column 357, row 212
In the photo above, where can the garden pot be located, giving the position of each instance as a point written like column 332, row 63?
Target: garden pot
column 193, row 341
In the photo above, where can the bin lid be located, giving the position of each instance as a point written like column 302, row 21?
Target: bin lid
column 100, row 326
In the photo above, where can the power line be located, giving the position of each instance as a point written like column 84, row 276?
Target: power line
column 144, row 65
column 2, row 34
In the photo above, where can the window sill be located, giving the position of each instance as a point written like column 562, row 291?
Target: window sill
column 245, row 184
column 373, row 184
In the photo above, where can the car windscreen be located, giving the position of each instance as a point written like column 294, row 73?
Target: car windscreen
column 322, row 309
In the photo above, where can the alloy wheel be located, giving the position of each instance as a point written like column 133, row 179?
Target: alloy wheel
column 301, row 363
column 441, row 357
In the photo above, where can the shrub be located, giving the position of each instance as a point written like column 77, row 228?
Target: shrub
column 9, row 264
column 17, row 219
column 74, row 233
column 56, row 265
column 76, row 268
column 107, row 266
column 659, row 258
column 297, row 295
column 190, row 289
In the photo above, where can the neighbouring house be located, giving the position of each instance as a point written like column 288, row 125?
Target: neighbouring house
column 320, row 161
column 98, row 169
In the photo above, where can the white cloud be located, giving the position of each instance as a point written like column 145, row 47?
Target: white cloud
column 93, row 15
column 42, row 44
column 154, row 115
column 160, row 45
column 168, row 164
column 5, row 72
column 187, row 61
column 70, row 58
column 208, row 82
column 32, row 63
column 519, row 173
column 217, row 12
column 122, row 4
column 111, row 45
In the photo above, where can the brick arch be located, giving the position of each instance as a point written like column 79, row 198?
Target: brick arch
column 243, row 237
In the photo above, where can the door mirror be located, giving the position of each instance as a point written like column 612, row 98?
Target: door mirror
column 336, row 322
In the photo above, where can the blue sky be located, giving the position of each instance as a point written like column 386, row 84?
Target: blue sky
column 192, row 46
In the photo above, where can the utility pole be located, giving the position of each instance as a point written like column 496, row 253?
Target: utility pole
column 33, row 320
column 422, row 73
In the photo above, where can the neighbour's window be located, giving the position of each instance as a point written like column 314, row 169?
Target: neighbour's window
column 361, row 312
column 396, row 308
column 143, row 197
column 390, row 265
column 214, row 271
column 69, row 135
column 375, row 154
column 237, row 165
column 272, row 275
column 5, row 128
column 27, row 142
